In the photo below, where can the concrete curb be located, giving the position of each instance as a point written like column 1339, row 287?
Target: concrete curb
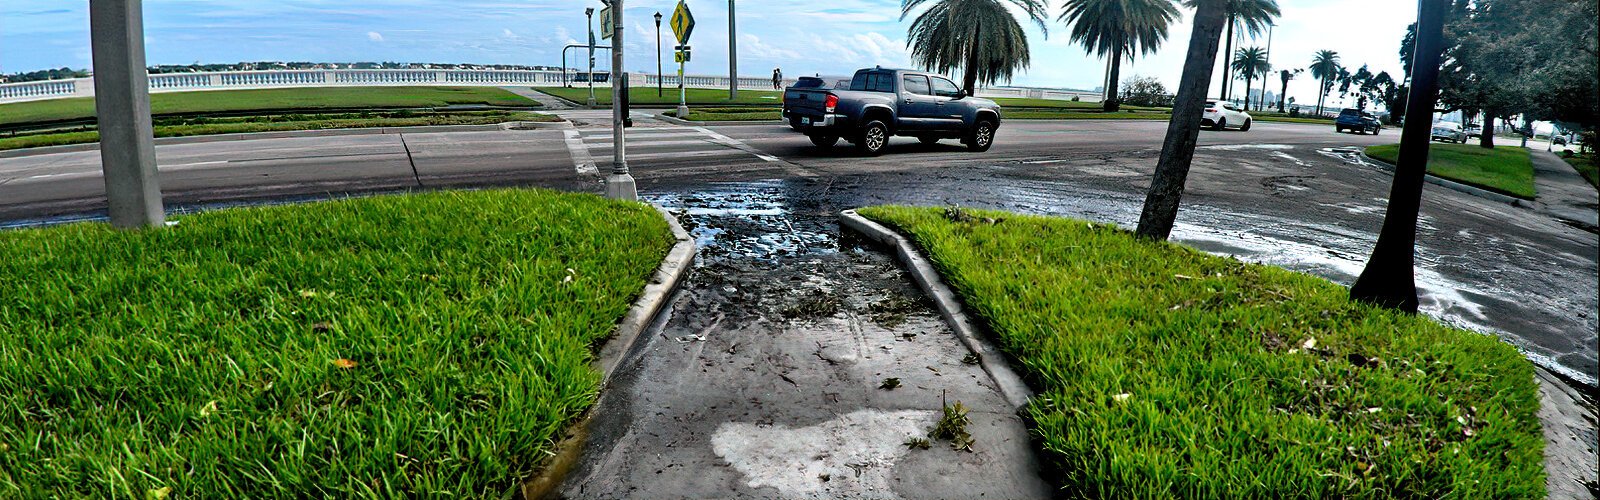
column 990, row 357
column 201, row 139
column 651, row 300
column 554, row 469
column 1455, row 186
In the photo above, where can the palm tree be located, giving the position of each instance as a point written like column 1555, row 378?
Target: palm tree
column 979, row 36
column 1183, row 129
column 1117, row 29
column 1251, row 15
column 1324, row 67
column 1286, row 75
column 1250, row 62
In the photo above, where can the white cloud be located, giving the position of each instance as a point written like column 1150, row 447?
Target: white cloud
column 375, row 36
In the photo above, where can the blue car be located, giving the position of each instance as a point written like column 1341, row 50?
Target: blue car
column 1357, row 121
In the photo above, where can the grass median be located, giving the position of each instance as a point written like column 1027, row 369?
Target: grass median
column 744, row 114
column 646, row 96
column 430, row 345
column 1505, row 169
column 1586, row 166
column 234, row 101
column 1165, row 372
column 184, row 127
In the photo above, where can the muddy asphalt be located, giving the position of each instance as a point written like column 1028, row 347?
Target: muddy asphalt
column 764, row 378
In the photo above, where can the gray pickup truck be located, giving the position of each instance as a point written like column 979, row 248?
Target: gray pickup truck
column 881, row 103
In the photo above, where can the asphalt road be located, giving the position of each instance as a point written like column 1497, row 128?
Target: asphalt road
column 1275, row 194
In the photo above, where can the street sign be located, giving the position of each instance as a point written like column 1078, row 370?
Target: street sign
column 681, row 56
column 607, row 25
column 682, row 22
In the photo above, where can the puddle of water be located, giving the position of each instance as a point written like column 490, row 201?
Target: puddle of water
column 750, row 220
column 1352, row 156
column 1287, row 156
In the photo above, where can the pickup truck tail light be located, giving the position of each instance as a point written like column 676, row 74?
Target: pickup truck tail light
column 830, row 103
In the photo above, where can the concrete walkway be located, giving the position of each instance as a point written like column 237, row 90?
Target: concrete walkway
column 767, row 377
column 1563, row 192
column 550, row 103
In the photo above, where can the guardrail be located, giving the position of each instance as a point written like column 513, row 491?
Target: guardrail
column 232, row 80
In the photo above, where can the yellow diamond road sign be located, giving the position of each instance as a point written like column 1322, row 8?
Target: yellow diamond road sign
column 682, row 22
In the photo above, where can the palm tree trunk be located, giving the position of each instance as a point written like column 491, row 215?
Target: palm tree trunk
column 1322, row 93
column 1247, row 81
column 1177, row 150
column 1112, row 103
column 1390, row 277
column 1283, row 96
column 1227, row 66
column 971, row 78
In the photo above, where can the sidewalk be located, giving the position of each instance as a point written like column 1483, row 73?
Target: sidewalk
column 764, row 379
column 1563, row 192
column 550, row 103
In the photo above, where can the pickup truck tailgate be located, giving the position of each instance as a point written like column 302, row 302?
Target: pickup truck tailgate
column 808, row 102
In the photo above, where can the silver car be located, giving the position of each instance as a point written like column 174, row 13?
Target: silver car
column 1449, row 132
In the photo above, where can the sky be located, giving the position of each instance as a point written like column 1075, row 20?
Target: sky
column 832, row 37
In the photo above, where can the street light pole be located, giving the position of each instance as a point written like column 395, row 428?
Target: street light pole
column 1261, row 104
column 733, row 55
column 620, row 184
column 589, row 13
column 122, row 104
column 658, row 55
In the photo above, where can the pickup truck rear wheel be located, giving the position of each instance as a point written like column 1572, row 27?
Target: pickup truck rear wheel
column 981, row 137
column 874, row 137
column 824, row 141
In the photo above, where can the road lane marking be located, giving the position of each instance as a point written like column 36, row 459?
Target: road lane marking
column 638, row 144
column 733, row 143
column 580, row 154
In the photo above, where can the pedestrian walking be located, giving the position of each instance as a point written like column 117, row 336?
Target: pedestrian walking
column 777, row 78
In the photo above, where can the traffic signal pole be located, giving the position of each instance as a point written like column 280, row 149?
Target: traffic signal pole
column 620, row 184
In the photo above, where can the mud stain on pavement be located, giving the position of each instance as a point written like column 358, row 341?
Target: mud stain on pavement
column 766, row 377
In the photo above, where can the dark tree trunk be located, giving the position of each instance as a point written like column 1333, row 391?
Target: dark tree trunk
column 1486, row 140
column 1227, row 66
column 1390, row 277
column 1283, row 96
column 1177, row 150
column 1247, row 81
column 1113, row 101
column 971, row 78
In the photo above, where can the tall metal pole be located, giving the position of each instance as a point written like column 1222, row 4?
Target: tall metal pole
column 619, row 185
column 733, row 55
column 683, row 92
column 1261, row 104
column 658, row 56
column 122, row 104
column 589, row 12
column 1390, row 277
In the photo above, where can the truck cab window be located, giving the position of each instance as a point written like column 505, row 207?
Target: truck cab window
column 945, row 88
column 916, row 84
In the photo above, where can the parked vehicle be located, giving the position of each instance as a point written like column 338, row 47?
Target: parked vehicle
column 1558, row 140
column 1449, row 132
column 1222, row 114
column 810, row 82
column 1474, row 131
column 1357, row 121
column 881, row 103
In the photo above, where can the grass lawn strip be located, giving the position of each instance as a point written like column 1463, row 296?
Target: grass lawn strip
column 1164, row 372
column 396, row 346
column 310, row 98
column 1586, row 166
column 239, row 125
column 744, row 114
column 646, row 96
column 1505, row 169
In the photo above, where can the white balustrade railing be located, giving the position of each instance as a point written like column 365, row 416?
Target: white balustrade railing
column 178, row 82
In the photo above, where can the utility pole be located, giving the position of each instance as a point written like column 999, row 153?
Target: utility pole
column 733, row 55
column 122, row 104
column 658, row 56
column 1389, row 279
column 1261, row 104
column 620, row 184
column 589, row 12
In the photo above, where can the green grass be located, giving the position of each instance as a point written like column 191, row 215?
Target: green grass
column 312, row 98
column 646, row 96
column 1505, row 169
column 1164, row 372
column 745, row 114
column 276, row 123
column 426, row 345
column 1043, row 114
column 1585, row 166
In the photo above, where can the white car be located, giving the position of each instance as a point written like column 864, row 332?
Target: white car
column 1222, row 114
